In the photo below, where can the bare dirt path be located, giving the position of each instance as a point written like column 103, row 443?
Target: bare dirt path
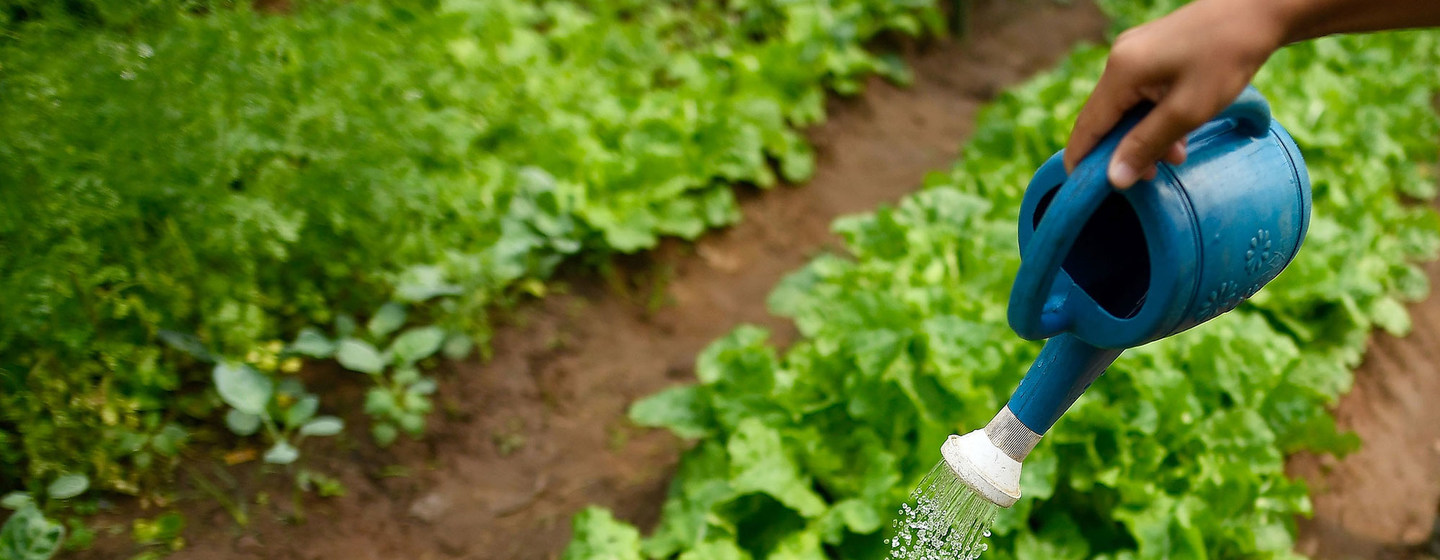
column 1381, row 501
column 528, row 438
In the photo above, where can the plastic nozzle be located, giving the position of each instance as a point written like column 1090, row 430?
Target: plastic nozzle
column 986, row 467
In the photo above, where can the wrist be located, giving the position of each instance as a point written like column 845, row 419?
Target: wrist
column 1302, row 20
column 1285, row 21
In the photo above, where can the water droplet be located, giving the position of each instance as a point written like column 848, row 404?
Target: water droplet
column 945, row 521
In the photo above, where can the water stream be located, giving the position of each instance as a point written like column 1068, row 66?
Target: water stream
column 944, row 520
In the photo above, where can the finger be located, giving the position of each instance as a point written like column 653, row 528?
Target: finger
column 1155, row 135
column 1113, row 95
column 1176, row 154
column 1151, row 173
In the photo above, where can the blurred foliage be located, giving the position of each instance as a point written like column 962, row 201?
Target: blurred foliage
column 219, row 178
column 1177, row 452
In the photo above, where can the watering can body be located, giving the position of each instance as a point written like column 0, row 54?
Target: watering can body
column 1103, row 270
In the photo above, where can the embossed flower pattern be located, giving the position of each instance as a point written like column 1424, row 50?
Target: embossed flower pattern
column 1220, row 300
column 1259, row 252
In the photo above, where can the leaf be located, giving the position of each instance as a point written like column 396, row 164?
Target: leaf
column 164, row 529
column 16, row 500
column 598, row 535
column 344, row 325
column 322, row 426
column 391, row 316
column 242, row 387
column 420, row 283
column 311, row 342
column 241, row 423
column 681, row 409
column 716, row 550
column 760, row 463
column 282, row 453
column 68, row 486
column 28, row 535
column 170, row 439
column 457, row 346
column 424, row 386
column 1391, row 315
column 187, row 343
column 358, row 355
column 417, row 344
column 301, row 410
column 384, row 433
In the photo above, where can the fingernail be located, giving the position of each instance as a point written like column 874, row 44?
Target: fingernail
column 1122, row 174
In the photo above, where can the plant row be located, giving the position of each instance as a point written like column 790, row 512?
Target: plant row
column 1178, row 451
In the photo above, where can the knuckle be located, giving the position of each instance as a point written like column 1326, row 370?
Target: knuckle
column 1124, row 56
column 1184, row 114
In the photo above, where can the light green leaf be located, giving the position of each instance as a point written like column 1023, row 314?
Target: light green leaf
column 301, row 410
column 598, row 535
column 242, row 387
column 760, row 463
column 17, row 500
column 282, row 453
column 417, row 344
column 358, row 355
column 241, row 423
column 390, row 317
column 311, row 342
column 28, row 535
column 716, row 550
column 457, row 346
column 384, row 433
column 424, row 386
column 68, row 486
column 419, row 283
column 680, row 409
column 322, row 426
column 1391, row 315
column 344, row 325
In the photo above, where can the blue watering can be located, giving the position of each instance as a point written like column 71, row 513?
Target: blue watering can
column 1103, row 270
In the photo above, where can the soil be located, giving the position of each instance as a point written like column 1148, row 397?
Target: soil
column 1381, row 501
column 527, row 438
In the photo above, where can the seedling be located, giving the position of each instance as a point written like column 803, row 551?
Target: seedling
column 400, row 398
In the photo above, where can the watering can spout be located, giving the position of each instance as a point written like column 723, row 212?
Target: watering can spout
column 1065, row 368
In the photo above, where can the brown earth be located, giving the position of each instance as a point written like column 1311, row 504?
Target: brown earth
column 1381, row 501
column 537, row 432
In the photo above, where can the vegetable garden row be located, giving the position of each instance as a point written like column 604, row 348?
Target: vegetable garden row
column 197, row 197
column 806, row 452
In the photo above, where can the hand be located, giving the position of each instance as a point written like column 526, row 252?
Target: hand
column 1191, row 64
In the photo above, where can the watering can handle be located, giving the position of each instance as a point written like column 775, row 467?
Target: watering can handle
column 1034, row 314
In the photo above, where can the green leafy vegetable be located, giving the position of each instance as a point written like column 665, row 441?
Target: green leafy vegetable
column 27, row 534
column 598, row 536
column 1177, row 452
